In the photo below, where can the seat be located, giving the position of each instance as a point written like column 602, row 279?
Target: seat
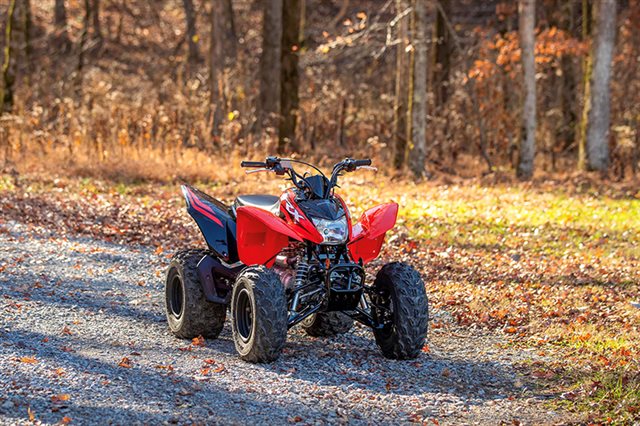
column 270, row 203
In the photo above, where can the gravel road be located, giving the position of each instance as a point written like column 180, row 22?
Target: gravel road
column 83, row 339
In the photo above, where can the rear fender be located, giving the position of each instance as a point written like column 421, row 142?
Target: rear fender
column 261, row 236
column 214, row 221
column 368, row 234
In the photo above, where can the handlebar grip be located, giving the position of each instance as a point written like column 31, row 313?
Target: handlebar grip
column 359, row 163
column 253, row 164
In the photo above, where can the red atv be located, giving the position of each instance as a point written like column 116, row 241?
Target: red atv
column 295, row 259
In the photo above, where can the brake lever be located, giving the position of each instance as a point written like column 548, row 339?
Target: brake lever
column 257, row 171
column 375, row 169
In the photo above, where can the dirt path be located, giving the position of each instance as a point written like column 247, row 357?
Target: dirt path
column 83, row 337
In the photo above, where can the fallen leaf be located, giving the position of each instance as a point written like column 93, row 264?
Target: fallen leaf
column 60, row 371
column 198, row 341
column 31, row 414
column 61, row 397
column 209, row 361
column 66, row 330
column 28, row 359
column 219, row 369
column 125, row 363
column 65, row 420
column 446, row 372
column 205, row 371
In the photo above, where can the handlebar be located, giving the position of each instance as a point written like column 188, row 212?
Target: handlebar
column 253, row 164
column 359, row 163
column 283, row 165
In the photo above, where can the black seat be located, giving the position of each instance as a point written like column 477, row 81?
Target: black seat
column 270, row 203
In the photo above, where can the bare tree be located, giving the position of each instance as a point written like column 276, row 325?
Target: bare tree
column 526, row 11
column 230, row 37
column 216, row 66
column 270, row 63
column 192, row 35
column 401, row 99
column 289, row 74
column 599, row 114
column 587, row 68
column 97, row 29
column 442, row 51
column 418, row 85
column 60, row 23
column 6, row 91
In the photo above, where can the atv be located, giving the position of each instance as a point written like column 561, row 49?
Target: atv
column 275, row 262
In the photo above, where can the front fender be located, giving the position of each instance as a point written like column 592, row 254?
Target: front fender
column 261, row 235
column 368, row 234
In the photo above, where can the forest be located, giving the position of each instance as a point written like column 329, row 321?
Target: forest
column 455, row 88
column 507, row 131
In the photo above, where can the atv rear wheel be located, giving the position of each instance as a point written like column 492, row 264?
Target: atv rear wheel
column 400, row 303
column 189, row 313
column 259, row 311
column 325, row 324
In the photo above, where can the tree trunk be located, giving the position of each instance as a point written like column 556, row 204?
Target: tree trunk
column 27, row 23
column 527, row 10
column 442, row 52
column 418, row 117
column 401, row 92
column 289, row 76
column 97, row 29
column 83, row 47
column 216, row 65
column 192, row 36
column 231, row 38
column 587, row 68
column 270, row 64
column 599, row 114
column 60, row 23
column 6, row 91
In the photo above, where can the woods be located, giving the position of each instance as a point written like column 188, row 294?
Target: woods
column 439, row 86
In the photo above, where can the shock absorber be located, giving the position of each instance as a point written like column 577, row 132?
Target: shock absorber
column 302, row 273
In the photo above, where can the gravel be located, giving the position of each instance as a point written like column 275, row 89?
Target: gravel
column 83, row 338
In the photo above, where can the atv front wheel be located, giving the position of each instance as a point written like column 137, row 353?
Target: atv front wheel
column 400, row 303
column 259, row 310
column 325, row 324
column 189, row 313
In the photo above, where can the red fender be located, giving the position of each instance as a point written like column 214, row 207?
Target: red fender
column 261, row 235
column 368, row 234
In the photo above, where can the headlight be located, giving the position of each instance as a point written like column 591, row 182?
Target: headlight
column 332, row 231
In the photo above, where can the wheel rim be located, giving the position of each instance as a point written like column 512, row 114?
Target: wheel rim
column 308, row 321
column 175, row 297
column 244, row 315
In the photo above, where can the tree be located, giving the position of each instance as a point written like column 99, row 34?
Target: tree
column 587, row 68
column 289, row 74
column 443, row 49
column 418, row 86
column 401, row 99
column 95, row 12
column 216, row 65
column 526, row 12
column 60, row 23
column 599, row 114
column 270, row 63
column 192, row 36
column 6, row 91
